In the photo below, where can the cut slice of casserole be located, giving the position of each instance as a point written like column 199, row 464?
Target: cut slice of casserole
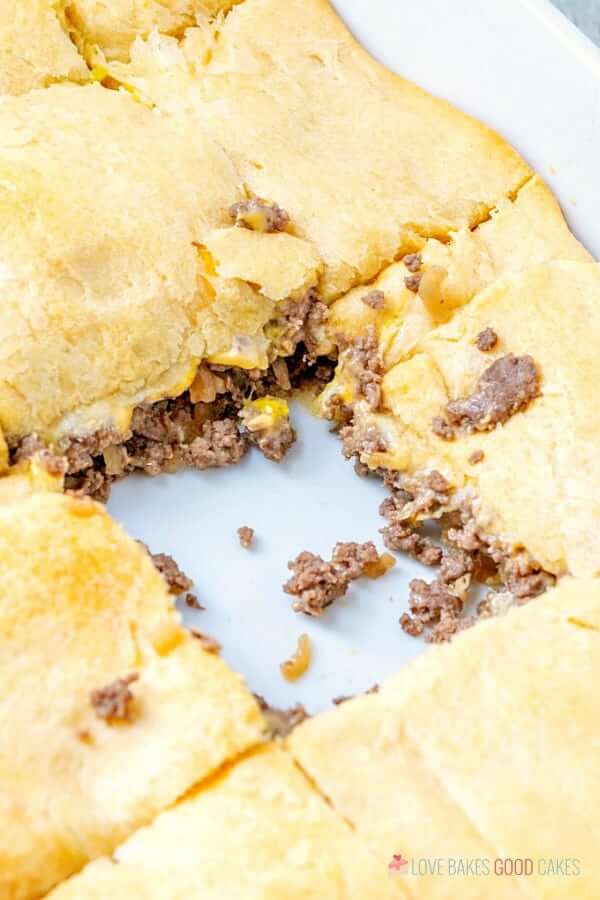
column 481, row 750
column 110, row 711
column 259, row 831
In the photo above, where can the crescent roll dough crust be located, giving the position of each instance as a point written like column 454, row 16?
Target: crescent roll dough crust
column 111, row 26
column 544, row 457
column 483, row 748
column 35, row 48
column 108, row 295
column 81, row 605
column 366, row 164
column 260, row 832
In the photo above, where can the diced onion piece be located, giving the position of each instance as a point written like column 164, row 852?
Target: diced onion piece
column 385, row 562
column 204, row 386
column 430, row 292
column 294, row 667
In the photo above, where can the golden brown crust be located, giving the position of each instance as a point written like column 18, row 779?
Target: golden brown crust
column 35, row 48
column 89, row 753
column 119, row 294
column 456, row 756
column 261, row 827
column 363, row 189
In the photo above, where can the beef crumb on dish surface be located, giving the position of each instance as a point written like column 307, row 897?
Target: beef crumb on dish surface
column 246, row 536
column 343, row 698
column 316, row 583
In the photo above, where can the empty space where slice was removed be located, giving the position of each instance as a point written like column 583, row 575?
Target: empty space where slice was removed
column 110, row 710
column 260, row 829
column 457, row 756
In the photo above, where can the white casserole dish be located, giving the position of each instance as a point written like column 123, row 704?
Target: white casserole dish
column 521, row 67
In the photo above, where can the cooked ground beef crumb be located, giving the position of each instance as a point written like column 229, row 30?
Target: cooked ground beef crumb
column 342, row 698
column 411, row 625
column 281, row 721
column 203, row 432
column 361, row 442
column 113, row 702
column 435, row 607
column 505, row 388
column 300, row 322
column 209, row 644
column 54, row 465
column 273, row 442
column 414, row 498
column 317, row 583
column 163, row 437
column 486, row 340
column 413, row 262
column 177, row 581
column 220, row 444
column 403, row 538
column 33, row 446
column 246, row 536
column 476, row 457
column 441, row 427
column 192, row 602
column 468, row 555
column 374, row 299
column 259, row 216
column 413, row 282
column 28, row 447
column 363, row 361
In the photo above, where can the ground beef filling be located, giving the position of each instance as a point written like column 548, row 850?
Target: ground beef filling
column 201, row 429
column 163, row 437
column 363, row 361
column 505, row 388
column 316, row 583
column 463, row 557
column 273, row 441
column 299, row 323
